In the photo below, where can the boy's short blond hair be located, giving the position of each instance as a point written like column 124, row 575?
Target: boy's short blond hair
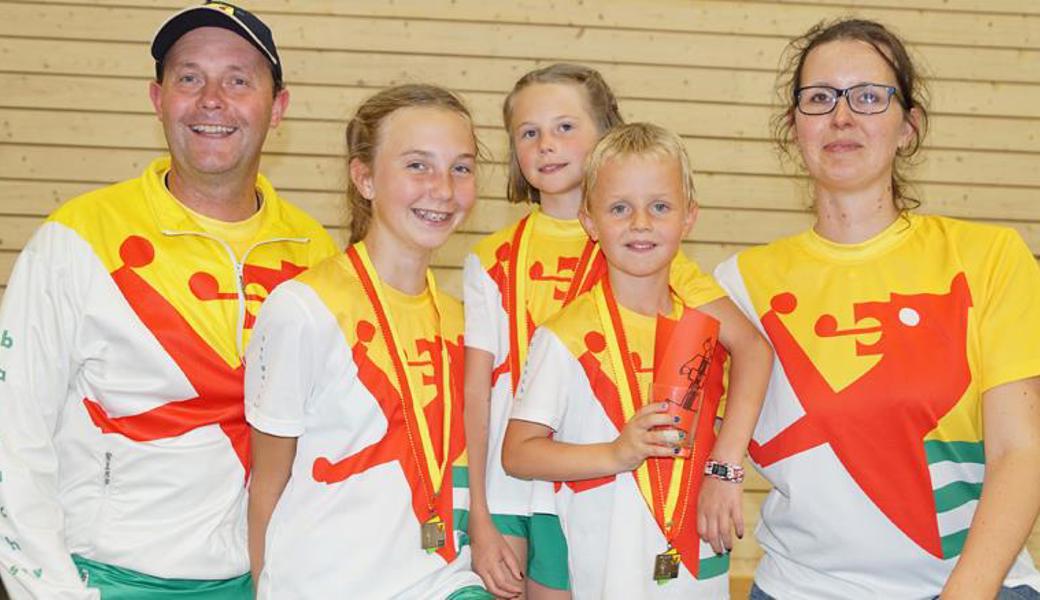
column 637, row 139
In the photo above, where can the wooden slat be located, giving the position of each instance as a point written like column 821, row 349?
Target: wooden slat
column 973, row 6
column 740, row 17
column 7, row 259
column 16, row 232
column 37, row 198
column 505, row 41
column 935, row 18
column 492, row 75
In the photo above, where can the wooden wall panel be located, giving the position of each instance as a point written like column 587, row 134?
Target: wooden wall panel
column 74, row 113
column 504, row 40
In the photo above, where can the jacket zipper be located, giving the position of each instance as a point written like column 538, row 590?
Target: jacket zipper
column 239, row 267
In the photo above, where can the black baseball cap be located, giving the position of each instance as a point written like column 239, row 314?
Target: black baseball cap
column 217, row 14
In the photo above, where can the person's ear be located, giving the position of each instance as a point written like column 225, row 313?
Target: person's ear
column 587, row 223
column 278, row 108
column 361, row 176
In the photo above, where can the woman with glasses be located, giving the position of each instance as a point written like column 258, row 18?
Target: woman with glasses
column 901, row 431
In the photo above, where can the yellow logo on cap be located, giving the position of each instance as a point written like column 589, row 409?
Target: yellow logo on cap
column 229, row 10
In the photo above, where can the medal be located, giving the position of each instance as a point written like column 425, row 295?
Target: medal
column 666, row 566
column 432, row 534
column 431, row 472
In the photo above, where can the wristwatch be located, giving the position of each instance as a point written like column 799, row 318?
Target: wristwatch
column 724, row 471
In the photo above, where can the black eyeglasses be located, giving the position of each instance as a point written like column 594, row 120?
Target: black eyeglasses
column 864, row 99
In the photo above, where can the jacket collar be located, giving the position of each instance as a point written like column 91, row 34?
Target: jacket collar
column 172, row 216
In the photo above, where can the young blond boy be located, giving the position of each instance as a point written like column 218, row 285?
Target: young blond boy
column 630, row 506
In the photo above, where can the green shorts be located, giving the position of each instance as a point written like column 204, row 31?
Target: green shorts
column 472, row 592
column 546, row 546
column 116, row 583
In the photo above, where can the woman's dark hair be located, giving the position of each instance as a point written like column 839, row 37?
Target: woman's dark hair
column 911, row 93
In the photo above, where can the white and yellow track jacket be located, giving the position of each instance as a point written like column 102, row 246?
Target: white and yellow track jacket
column 122, row 435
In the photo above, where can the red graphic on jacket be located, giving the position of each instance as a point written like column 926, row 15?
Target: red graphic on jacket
column 395, row 444
column 218, row 386
column 204, row 285
column 685, row 540
column 877, row 423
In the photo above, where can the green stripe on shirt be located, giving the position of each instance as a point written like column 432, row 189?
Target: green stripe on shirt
column 460, row 477
column 959, row 452
column 953, row 544
column 956, row 494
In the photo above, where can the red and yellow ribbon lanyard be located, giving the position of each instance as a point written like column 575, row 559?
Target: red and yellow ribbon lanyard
column 590, row 267
column 431, row 473
column 662, row 506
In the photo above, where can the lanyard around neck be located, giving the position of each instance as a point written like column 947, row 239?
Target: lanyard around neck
column 662, row 506
column 431, row 471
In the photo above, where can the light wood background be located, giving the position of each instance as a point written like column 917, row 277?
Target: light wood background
column 74, row 113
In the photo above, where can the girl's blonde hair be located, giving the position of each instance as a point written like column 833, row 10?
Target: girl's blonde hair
column 602, row 106
column 637, row 139
column 363, row 135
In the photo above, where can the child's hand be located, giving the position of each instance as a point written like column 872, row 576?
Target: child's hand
column 719, row 512
column 641, row 438
column 493, row 559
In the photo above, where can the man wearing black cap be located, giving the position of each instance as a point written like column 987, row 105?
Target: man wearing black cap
column 123, row 448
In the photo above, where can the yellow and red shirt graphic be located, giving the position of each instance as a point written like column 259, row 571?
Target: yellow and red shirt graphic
column 416, row 319
column 887, row 347
column 193, row 294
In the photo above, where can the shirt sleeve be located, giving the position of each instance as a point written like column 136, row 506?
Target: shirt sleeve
column 41, row 312
column 480, row 298
column 695, row 287
column 545, row 382
column 1009, row 316
column 282, row 362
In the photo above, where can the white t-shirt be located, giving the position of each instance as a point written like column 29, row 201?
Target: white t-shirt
column 316, row 366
